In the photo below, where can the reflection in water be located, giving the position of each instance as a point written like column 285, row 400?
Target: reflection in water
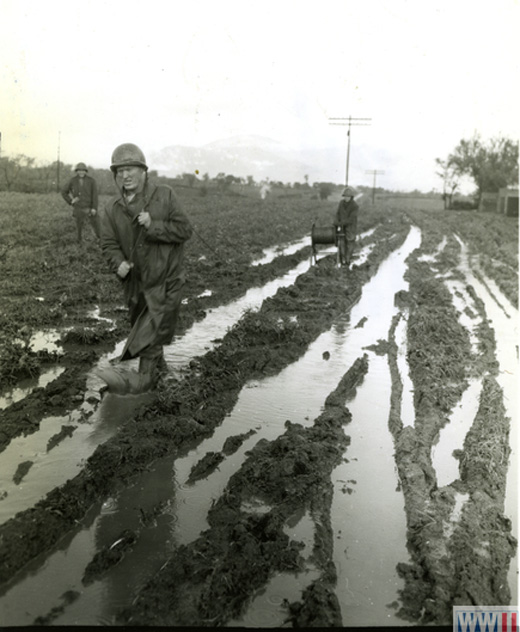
column 25, row 387
column 262, row 406
column 452, row 435
column 504, row 320
column 407, row 405
column 285, row 249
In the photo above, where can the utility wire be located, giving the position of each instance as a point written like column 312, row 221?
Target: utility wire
column 350, row 122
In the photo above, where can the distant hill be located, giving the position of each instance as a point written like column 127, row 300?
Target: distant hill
column 255, row 156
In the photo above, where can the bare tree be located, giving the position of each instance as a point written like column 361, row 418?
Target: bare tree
column 12, row 169
column 450, row 181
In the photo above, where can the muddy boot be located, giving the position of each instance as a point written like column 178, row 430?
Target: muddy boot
column 122, row 381
column 149, row 371
column 162, row 367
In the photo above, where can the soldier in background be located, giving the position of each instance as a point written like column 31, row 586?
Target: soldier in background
column 346, row 222
column 81, row 193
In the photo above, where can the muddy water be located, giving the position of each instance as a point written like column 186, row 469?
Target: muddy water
column 504, row 320
column 452, row 436
column 25, row 387
column 264, row 407
column 407, row 406
column 365, row 488
column 94, row 424
column 285, row 249
column 365, row 493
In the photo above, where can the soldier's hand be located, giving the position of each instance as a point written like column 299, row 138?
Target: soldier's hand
column 144, row 219
column 93, row 212
column 74, row 200
column 124, row 269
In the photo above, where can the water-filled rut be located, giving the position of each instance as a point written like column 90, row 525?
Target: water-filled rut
column 251, row 492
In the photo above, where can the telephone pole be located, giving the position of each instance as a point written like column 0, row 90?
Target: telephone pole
column 375, row 173
column 350, row 121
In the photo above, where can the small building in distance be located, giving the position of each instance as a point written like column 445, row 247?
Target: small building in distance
column 507, row 203
column 488, row 202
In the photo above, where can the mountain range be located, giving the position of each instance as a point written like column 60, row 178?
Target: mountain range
column 242, row 156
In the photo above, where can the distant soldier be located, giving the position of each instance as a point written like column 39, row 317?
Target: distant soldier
column 81, row 193
column 346, row 220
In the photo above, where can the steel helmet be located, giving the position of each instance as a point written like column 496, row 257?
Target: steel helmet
column 348, row 192
column 81, row 166
column 128, row 155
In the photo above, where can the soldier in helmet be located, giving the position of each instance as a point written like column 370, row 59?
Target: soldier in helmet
column 143, row 230
column 346, row 221
column 81, row 193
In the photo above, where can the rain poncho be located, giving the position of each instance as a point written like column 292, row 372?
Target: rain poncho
column 153, row 286
column 347, row 217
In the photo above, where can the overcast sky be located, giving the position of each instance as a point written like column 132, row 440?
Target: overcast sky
column 89, row 75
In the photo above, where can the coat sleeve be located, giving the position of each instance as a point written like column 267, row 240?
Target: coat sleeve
column 94, row 194
column 110, row 247
column 337, row 217
column 176, row 229
column 65, row 192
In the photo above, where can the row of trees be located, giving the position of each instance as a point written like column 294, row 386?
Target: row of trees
column 491, row 166
column 20, row 173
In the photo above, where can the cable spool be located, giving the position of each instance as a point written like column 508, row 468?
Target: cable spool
column 323, row 235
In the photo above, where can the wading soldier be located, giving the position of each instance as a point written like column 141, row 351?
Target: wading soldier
column 81, row 193
column 346, row 219
column 143, row 231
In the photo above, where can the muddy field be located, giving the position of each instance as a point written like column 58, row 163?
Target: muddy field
column 330, row 447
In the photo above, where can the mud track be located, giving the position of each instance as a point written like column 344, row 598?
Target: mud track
column 258, row 345
column 211, row 581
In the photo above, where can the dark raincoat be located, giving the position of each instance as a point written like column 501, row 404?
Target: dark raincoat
column 347, row 218
column 83, row 188
column 153, row 286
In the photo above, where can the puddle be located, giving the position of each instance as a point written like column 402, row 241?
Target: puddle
column 114, row 410
column 468, row 316
column 407, row 406
column 452, row 436
column 263, row 406
column 25, row 387
column 431, row 258
column 63, row 570
column 504, row 320
column 269, row 254
column 65, row 460
column 46, row 341
column 366, row 497
column 40, row 341
column 364, row 554
column 266, row 609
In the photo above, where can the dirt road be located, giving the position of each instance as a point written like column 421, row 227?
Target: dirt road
column 331, row 447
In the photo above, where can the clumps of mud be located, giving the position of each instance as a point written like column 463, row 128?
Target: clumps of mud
column 109, row 556
column 55, row 399
column 318, row 608
column 211, row 460
column 21, row 471
column 204, row 467
column 67, row 598
column 188, row 411
column 459, row 540
column 211, row 580
column 66, row 431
